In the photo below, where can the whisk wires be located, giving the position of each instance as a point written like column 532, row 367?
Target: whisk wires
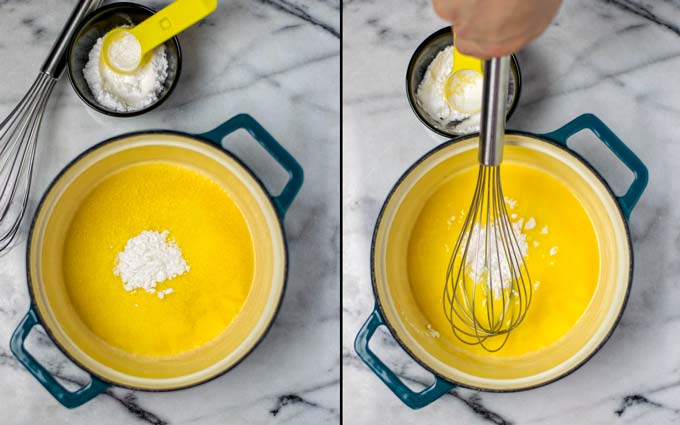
column 18, row 138
column 488, row 288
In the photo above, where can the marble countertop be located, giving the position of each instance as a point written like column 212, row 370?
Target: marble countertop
column 249, row 56
column 614, row 58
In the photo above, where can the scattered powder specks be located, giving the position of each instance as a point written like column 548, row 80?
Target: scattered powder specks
column 511, row 203
column 163, row 293
column 553, row 250
column 433, row 333
column 536, row 243
column 544, row 230
column 531, row 223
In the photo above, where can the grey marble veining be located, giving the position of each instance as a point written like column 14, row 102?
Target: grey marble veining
column 249, row 56
column 618, row 59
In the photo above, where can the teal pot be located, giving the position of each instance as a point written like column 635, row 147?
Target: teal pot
column 397, row 310
column 51, row 306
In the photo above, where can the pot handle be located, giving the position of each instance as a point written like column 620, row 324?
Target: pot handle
column 618, row 148
column 414, row 400
column 274, row 148
column 65, row 397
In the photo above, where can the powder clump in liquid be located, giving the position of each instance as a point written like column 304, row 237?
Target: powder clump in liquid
column 477, row 264
column 126, row 92
column 149, row 259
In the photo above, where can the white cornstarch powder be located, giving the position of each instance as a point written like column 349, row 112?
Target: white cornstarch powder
column 149, row 259
column 476, row 264
column 126, row 92
column 125, row 52
column 499, row 268
column 531, row 223
column 431, row 95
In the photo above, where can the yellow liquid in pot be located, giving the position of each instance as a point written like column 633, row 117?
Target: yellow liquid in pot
column 207, row 226
column 566, row 280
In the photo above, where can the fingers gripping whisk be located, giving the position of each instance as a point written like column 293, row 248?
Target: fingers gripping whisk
column 18, row 139
column 488, row 289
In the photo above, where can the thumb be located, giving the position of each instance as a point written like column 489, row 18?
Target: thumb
column 472, row 48
column 487, row 50
column 445, row 9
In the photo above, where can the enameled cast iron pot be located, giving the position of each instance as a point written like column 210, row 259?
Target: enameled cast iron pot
column 50, row 305
column 395, row 304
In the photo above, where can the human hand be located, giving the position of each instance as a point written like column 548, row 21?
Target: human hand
column 491, row 28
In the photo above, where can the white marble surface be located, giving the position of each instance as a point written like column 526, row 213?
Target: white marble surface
column 617, row 59
column 250, row 56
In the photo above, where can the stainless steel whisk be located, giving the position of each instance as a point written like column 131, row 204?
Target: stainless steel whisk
column 19, row 131
column 488, row 289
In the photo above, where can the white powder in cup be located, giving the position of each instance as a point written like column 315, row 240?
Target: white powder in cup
column 125, row 52
column 126, row 92
column 431, row 97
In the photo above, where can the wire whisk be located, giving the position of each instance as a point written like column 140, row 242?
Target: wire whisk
column 488, row 289
column 19, row 131
column 18, row 139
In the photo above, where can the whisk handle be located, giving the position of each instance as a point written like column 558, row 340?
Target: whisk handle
column 591, row 122
column 492, row 124
column 56, row 61
column 414, row 400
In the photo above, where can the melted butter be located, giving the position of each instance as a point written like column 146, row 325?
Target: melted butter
column 564, row 282
column 208, row 227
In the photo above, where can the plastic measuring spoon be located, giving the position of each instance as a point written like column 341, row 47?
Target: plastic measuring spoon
column 126, row 49
column 463, row 90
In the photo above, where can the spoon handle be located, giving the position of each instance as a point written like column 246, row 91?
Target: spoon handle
column 492, row 125
column 170, row 21
column 461, row 61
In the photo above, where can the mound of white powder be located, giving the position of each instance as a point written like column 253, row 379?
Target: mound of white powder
column 477, row 264
column 126, row 92
column 149, row 259
column 125, row 52
column 431, row 96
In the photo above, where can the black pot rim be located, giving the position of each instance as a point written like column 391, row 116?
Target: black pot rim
column 392, row 329
column 95, row 105
column 98, row 146
column 411, row 100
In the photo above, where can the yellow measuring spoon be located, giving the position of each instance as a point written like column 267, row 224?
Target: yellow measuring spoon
column 126, row 49
column 464, row 82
